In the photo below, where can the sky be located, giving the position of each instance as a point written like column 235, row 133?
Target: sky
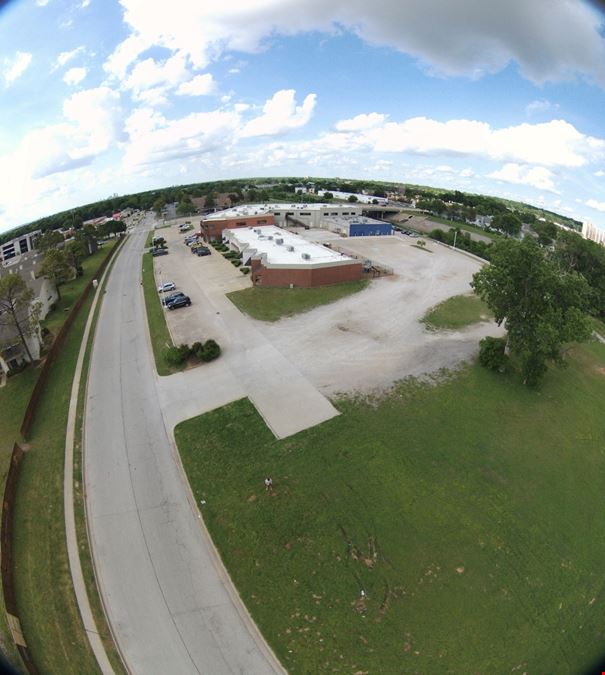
column 102, row 97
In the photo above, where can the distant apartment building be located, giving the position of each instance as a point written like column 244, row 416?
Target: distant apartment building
column 19, row 246
column 590, row 231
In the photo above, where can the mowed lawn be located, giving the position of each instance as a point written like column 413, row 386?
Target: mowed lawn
column 454, row 528
column 457, row 312
column 271, row 304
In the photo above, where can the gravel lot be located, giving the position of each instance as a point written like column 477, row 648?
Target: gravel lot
column 363, row 343
column 368, row 341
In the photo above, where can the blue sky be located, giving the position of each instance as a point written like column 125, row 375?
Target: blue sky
column 98, row 98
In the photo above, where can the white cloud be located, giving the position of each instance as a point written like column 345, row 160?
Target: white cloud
column 480, row 37
column 42, row 3
column 241, row 107
column 555, row 143
column 361, row 122
column 540, row 106
column 234, row 71
column 200, row 85
column 281, row 114
column 537, row 176
column 150, row 80
column 599, row 173
column 84, row 4
column 12, row 68
column 466, row 173
column 594, row 204
column 65, row 57
column 74, row 75
column 153, row 138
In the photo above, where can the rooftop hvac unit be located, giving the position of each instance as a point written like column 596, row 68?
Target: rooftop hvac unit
column 279, row 242
column 305, row 256
column 258, row 231
column 290, row 248
column 270, row 237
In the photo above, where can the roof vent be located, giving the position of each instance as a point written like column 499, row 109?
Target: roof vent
column 270, row 237
column 305, row 256
column 290, row 248
column 279, row 242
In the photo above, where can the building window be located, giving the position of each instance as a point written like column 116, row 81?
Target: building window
column 277, row 213
column 261, row 222
column 326, row 213
column 290, row 213
column 241, row 222
column 304, row 214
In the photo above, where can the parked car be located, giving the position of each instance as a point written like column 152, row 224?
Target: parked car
column 173, row 296
column 166, row 286
column 182, row 301
column 159, row 251
column 202, row 251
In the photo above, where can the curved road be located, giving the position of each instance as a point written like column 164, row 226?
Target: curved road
column 169, row 602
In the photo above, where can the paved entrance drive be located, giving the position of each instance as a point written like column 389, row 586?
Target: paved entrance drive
column 250, row 364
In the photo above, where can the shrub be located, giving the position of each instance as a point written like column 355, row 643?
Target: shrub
column 210, row 351
column 173, row 356
column 185, row 352
column 244, row 270
column 491, row 353
column 237, row 263
column 196, row 348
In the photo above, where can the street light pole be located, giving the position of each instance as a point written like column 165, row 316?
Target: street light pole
column 455, row 235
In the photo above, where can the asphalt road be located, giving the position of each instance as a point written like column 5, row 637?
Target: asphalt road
column 170, row 605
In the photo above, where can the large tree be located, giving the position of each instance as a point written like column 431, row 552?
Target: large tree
column 541, row 307
column 49, row 240
column 507, row 222
column 56, row 267
column 574, row 253
column 17, row 309
column 75, row 252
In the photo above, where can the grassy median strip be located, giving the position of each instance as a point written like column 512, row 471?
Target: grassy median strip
column 271, row 304
column 45, row 596
column 448, row 528
column 457, row 312
column 156, row 320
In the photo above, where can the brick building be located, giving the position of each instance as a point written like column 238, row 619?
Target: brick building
column 279, row 258
column 212, row 228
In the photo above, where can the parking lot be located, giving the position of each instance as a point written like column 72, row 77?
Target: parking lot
column 364, row 342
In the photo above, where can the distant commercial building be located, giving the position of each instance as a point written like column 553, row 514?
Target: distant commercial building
column 357, row 226
column 280, row 258
column 590, row 231
column 19, row 246
column 252, row 215
column 361, row 198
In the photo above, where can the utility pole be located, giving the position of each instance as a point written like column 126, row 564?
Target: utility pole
column 455, row 235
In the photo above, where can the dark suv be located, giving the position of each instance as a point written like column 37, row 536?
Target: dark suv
column 173, row 296
column 182, row 301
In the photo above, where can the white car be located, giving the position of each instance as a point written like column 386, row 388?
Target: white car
column 166, row 286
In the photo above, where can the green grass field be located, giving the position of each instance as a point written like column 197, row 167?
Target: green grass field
column 271, row 304
column 156, row 319
column 45, row 597
column 470, row 513
column 465, row 226
column 457, row 312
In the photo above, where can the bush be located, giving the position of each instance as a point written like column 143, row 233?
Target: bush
column 185, row 352
column 244, row 270
column 491, row 354
column 173, row 356
column 210, row 351
column 237, row 263
column 196, row 348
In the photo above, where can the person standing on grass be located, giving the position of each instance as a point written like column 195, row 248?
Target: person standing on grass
column 269, row 484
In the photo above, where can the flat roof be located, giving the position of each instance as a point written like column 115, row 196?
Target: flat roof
column 281, row 247
column 262, row 209
column 347, row 220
